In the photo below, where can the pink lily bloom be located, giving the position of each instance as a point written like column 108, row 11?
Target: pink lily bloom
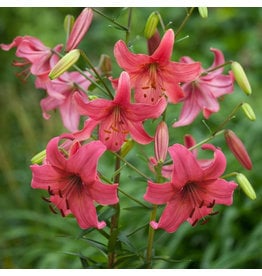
column 34, row 54
column 189, row 142
column 204, row 91
column 79, row 29
column 155, row 75
column 73, row 183
column 193, row 190
column 117, row 118
column 60, row 96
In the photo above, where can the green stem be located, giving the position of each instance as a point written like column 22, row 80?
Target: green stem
column 150, row 240
column 111, row 20
column 229, row 117
column 114, row 223
column 151, row 231
column 184, row 21
column 215, row 68
column 134, row 199
column 131, row 166
column 128, row 25
column 96, row 73
column 161, row 21
column 229, row 175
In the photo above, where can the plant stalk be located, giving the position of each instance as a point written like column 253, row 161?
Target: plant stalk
column 114, row 222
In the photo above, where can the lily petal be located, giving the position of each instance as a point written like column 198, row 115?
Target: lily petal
column 184, row 171
column 127, row 60
column 217, row 166
column 104, row 194
column 157, row 193
column 80, row 161
column 84, row 210
column 164, row 51
column 176, row 212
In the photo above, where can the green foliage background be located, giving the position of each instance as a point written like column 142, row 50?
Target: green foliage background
column 32, row 237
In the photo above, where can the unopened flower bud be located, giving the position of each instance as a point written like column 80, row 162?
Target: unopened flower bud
column 39, row 157
column 249, row 112
column 245, row 185
column 64, row 64
column 68, row 23
column 151, row 25
column 161, row 142
column 241, row 77
column 203, row 11
column 153, row 42
column 238, row 149
column 105, row 65
column 79, row 29
column 128, row 145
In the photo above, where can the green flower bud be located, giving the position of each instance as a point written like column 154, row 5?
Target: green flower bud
column 246, row 186
column 151, row 25
column 39, row 157
column 68, row 23
column 241, row 77
column 249, row 112
column 203, row 11
column 128, row 145
column 64, row 64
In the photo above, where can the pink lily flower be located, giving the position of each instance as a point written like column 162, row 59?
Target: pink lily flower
column 34, row 54
column 72, row 182
column 118, row 117
column 79, row 29
column 189, row 142
column 204, row 91
column 60, row 96
column 193, row 190
column 155, row 75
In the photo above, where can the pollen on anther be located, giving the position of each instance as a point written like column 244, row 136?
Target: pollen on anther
column 107, row 131
column 192, row 213
column 52, row 209
column 60, row 193
column 204, row 221
column 195, row 222
column 45, row 199
column 214, row 213
column 62, row 213
column 50, row 191
column 211, row 205
column 67, row 204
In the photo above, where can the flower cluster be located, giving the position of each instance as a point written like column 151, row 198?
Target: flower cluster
column 189, row 187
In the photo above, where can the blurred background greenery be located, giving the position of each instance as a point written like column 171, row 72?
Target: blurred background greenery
column 32, row 237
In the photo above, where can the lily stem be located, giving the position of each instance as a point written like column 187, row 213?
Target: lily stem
column 150, row 240
column 151, row 231
column 114, row 223
column 184, row 21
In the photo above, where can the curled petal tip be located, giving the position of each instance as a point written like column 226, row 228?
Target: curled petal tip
column 154, row 224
